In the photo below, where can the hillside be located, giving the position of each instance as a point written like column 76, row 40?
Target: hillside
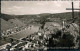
column 11, row 23
column 16, row 22
column 6, row 25
column 67, row 15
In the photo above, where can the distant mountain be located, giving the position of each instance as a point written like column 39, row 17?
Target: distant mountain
column 62, row 15
column 67, row 15
column 7, row 17
column 44, row 14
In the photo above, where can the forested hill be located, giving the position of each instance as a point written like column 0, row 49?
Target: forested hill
column 67, row 15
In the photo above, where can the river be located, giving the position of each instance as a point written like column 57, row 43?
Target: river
column 32, row 28
column 25, row 33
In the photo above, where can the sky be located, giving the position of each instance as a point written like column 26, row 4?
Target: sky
column 36, row 7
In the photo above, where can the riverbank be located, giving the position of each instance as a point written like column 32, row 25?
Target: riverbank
column 30, row 30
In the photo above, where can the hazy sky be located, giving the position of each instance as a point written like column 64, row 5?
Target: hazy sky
column 36, row 7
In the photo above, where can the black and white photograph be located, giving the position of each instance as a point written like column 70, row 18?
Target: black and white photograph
column 39, row 25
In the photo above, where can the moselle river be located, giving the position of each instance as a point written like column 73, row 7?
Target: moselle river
column 25, row 33
column 31, row 29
